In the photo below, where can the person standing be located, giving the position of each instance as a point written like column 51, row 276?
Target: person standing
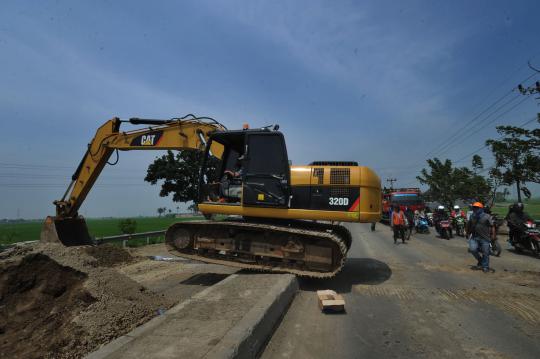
column 480, row 231
column 398, row 224
column 409, row 214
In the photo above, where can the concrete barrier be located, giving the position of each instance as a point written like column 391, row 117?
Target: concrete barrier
column 231, row 319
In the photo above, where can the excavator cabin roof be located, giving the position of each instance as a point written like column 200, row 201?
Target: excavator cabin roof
column 235, row 139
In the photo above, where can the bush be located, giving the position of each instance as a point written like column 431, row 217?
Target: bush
column 127, row 226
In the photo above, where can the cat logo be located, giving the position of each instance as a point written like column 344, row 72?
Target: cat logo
column 149, row 139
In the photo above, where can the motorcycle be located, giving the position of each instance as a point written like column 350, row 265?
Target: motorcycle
column 529, row 239
column 429, row 217
column 459, row 225
column 445, row 229
column 422, row 225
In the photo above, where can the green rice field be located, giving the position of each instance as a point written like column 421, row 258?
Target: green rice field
column 98, row 227
column 532, row 207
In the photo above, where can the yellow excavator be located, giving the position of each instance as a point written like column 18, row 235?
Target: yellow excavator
column 278, row 217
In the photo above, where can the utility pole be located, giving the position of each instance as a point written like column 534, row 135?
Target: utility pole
column 391, row 180
column 532, row 89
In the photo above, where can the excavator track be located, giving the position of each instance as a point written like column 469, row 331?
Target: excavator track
column 306, row 249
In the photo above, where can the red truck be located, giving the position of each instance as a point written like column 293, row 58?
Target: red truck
column 404, row 197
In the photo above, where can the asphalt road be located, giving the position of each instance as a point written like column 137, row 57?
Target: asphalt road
column 419, row 299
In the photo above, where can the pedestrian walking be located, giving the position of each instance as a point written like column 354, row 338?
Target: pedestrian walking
column 398, row 224
column 409, row 214
column 480, row 231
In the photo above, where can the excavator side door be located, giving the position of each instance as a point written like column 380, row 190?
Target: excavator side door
column 266, row 177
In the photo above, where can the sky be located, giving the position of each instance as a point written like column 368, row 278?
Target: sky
column 383, row 83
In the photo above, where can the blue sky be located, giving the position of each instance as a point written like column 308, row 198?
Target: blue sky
column 383, row 83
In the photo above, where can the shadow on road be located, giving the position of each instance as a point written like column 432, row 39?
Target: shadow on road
column 524, row 252
column 356, row 271
column 204, row 279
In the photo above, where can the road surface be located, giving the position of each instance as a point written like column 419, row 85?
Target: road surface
column 417, row 300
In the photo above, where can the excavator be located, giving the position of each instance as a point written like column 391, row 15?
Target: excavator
column 274, row 217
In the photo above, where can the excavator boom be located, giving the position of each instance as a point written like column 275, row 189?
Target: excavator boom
column 189, row 132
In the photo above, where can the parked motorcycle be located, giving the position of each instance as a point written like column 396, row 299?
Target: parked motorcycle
column 529, row 240
column 445, row 229
column 459, row 225
column 422, row 225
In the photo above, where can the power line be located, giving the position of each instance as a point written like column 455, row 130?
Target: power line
column 59, row 185
column 474, row 125
column 478, row 129
column 458, row 132
column 493, row 120
column 32, row 176
column 391, row 180
column 485, row 146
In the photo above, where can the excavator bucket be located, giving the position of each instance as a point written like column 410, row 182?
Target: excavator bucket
column 68, row 231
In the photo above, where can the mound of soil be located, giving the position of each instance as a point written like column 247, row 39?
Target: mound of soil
column 38, row 300
column 108, row 255
column 64, row 302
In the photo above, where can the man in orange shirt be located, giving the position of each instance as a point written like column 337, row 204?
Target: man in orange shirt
column 398, row 224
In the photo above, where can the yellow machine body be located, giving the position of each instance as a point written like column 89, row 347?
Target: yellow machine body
column 357, row 200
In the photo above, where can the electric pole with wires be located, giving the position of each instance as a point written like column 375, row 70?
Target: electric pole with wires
column 391, row 180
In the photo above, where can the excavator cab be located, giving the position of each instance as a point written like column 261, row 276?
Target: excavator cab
column 253, row 171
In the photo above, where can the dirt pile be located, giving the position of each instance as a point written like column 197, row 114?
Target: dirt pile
column 38, row 299
column 60, row 302
column 108, row 255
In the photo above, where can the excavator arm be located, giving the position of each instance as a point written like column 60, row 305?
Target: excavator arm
column 188, row 132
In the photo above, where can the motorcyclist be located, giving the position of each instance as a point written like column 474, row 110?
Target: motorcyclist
column 439, row 215
column 457, row 212
column 516, row 219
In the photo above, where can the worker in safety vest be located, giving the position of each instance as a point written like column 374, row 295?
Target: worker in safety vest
column 398, row 224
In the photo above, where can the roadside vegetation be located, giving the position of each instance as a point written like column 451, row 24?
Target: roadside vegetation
column 532, row 207
column 517, row 163
column 98, row 227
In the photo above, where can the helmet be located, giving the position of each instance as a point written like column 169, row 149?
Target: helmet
column 440, row 207
column 478, row 204
column 456, row 207
column 519, row 206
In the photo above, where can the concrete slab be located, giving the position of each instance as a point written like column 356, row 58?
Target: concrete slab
column 231, row 319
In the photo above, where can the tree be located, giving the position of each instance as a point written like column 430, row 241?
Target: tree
column 501, row 196
column 161, row 210
column 127, row 226
column 477, row 164
column 180, row 174
column 193, row 207
column 448, row 184
column 517, row 157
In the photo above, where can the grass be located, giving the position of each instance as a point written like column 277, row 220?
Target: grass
column 532, row 207
column 29, row 231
